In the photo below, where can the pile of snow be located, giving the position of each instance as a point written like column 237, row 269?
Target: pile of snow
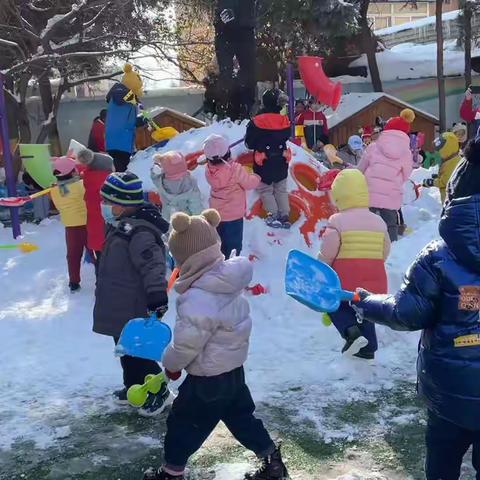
column 54, row 367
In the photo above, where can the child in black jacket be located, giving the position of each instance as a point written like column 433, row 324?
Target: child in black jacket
column 267, row 134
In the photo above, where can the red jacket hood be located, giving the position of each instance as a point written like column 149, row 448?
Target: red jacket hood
column 271, row 121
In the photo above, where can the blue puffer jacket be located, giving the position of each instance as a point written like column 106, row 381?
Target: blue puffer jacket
column 121, row 120
column 441, row 295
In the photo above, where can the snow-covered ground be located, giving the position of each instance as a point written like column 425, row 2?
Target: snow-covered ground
column 54, row 369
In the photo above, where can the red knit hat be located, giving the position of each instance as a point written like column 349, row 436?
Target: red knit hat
column 398, row 123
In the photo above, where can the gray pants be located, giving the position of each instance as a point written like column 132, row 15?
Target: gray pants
column 275, row 198
column 390, row 217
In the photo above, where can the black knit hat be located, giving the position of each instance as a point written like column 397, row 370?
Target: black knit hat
column 465, row 180
column 123, row 189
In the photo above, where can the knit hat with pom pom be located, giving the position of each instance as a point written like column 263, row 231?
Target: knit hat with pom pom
column 132, row 80
column 191, row 235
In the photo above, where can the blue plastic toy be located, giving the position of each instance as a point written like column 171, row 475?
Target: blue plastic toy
column 314, row 283
column 144, row 338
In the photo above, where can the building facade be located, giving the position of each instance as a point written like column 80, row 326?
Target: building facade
column 397, row 12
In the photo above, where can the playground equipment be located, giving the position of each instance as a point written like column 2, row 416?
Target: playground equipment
column 36, row 161
column 317, row 83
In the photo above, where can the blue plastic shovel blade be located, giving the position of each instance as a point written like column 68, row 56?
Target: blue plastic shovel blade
column 144, row 338
column 313, row 283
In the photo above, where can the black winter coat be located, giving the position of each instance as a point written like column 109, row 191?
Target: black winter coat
column 131, row 276
column 269, row 133
column 441, row 296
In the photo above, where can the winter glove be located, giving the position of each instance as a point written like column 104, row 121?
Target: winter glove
column 173, row 375
column 428, row 182
column 227, row 15
column 260, row 157
column 468, row 94
column 157, row 303
column 157, row 169
column 362, row 294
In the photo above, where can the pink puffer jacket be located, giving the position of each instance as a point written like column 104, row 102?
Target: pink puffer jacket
column 229, row 183
column 387, row 165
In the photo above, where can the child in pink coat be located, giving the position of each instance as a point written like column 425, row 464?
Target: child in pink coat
column 387, row 165
column 229, row 182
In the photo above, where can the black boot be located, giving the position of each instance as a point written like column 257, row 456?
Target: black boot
column 153, row 474
column 354, row 340
column 273, row 468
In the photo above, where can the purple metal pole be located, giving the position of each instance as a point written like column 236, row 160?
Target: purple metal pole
column 7, row 156
column 291, row 99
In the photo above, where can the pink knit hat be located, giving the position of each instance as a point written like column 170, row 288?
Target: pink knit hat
column 173, row 164
column 216, row 146
column 63, row 165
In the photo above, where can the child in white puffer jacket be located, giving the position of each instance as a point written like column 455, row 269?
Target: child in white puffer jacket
column 211, row 339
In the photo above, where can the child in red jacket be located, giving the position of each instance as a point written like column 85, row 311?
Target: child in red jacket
column 98, row 167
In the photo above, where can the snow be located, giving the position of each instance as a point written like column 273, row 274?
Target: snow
column 423, row 22
column 54, row 367
column 353, row 102
column 410, row 61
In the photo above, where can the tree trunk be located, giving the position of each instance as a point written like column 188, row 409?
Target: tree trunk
column 467, row 18
column 370, row 46
column 441, row 78
column 50, row 108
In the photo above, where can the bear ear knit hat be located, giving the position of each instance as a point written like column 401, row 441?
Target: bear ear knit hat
column 63, row 166
column 124, row 189
column 132, row 80
column 191, row 235
column 173, row 164
column 216, row 146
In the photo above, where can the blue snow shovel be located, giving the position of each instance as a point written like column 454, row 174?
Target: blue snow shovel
column 144, row 338
column 314, row 283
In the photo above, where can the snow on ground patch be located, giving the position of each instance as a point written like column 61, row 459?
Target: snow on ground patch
column 54, row 367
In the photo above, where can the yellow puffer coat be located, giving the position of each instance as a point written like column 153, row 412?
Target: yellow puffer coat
column 450, row 159
column 68, row 200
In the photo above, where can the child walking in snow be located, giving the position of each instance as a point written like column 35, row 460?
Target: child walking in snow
column 229, row 182
column 387, row 165
column 441, row 297
column 97, row 167
column 210, row 342
column 131, row 276
column 449, row 149
column 177, row 188
column 267, row 135
column 356, row 244
column 67, row 196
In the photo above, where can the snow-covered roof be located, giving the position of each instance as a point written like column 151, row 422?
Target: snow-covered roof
column 422, row 22
column 352, row 103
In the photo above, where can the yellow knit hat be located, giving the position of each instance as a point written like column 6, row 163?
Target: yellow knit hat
column 132, row 80
column 408, row 115
column 350, row 190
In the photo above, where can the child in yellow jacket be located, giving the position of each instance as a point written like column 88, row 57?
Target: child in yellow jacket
column 448, row 147
column 67, row 196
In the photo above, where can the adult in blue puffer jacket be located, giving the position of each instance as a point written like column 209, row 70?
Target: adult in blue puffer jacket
column 122, row 118
column 441, row 296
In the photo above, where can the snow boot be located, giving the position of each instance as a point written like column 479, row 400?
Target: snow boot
column 153, row 474
column 120, row 396
column 365, row 354
column 354, row 340
column 156, row 403
column 272, row 221
column 273, row 468
column 74, row 287
column 285, row 221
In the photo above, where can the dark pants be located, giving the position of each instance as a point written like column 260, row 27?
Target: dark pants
column 231, row 235
column 97, row 254
column 76, row 239
column 136, row 369
column 345, row 318
column 120, row 160
column 201, row 403
column 390, row 217
column 240, row 43
column 447, row 444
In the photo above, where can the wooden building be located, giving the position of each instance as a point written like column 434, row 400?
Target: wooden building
column 166, row 117
column 359, row 110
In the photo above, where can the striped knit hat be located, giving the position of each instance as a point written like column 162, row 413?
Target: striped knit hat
column 123, row 189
